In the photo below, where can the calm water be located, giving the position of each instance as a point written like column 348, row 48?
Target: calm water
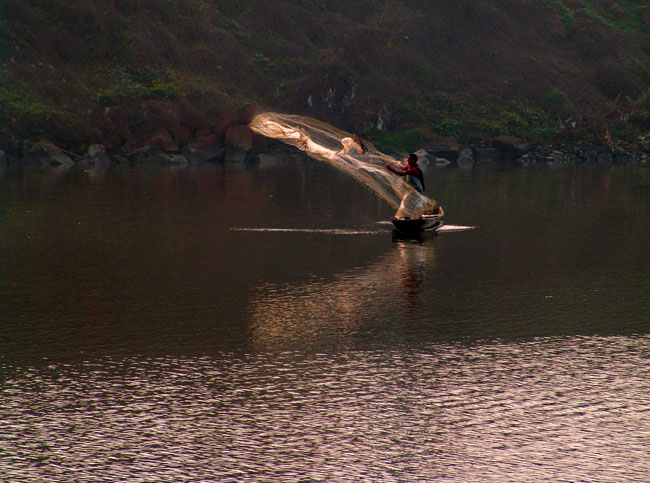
column 261, row 323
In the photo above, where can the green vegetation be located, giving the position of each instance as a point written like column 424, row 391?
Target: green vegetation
column 142, row 85
column 641, row 111
column 260, row 59
column 566, row 14
column 20, row 99
column 622, row 15
column 400, row 59
column 406, row 140
column 625, row 15
column 234, row 27
column 448, row 127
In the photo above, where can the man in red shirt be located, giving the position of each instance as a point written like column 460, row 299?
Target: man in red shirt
column 411, row 170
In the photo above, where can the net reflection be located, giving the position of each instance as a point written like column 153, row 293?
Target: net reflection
column 358, row 302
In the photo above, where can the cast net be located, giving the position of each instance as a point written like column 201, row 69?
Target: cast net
column 339, row 149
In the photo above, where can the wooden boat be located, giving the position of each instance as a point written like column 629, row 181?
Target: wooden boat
column 426, row 223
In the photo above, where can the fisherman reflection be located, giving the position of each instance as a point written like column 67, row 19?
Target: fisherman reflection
column 332, row 308
column 412, row 279
column 415, row 256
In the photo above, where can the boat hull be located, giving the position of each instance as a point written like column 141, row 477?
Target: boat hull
column 426, row 223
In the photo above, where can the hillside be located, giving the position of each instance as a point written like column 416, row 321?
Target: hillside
column 118, row 72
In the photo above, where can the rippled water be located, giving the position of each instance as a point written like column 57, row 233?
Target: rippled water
column 155, row 326
column 552, row 409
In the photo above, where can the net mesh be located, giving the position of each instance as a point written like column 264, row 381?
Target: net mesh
column 338, row 148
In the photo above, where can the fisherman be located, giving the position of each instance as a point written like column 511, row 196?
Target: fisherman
column 411, row 170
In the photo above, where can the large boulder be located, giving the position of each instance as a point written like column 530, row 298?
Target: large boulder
column 95, row 163
column 206, row 142
column 446, row 150
column 605, row 158
column 44, row 153
column 268, row 161
column 511, row 148
column 486, row 155
column 97, row 151
column 241, row 137
column 181, row 135
column 235, row 156
column 163, row 139
column 204, row 149
column 227, row 120
column 247, row 113
column 160, row 158
column 191, row 117
column 96, row 158
column 465, row 158
column 426, row 160
column 114, row 125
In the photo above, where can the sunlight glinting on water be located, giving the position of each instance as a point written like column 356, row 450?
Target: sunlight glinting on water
column 563, row 409
column 327, row 231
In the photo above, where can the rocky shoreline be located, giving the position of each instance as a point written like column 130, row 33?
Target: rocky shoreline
column 518, row 153
column 231, row 141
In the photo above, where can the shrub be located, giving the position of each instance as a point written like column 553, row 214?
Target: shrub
column 641, row 111
column 566, row 14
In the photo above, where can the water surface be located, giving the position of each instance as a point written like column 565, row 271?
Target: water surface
column 262, row 323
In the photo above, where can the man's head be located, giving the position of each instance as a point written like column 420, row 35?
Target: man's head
column 412, row 159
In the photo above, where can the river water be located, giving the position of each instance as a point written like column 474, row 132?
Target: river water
column 262, row 323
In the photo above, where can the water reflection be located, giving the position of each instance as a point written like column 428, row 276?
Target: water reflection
column 309, row 312
column 96, row 169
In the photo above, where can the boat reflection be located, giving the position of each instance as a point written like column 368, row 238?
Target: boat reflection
column 366, row 299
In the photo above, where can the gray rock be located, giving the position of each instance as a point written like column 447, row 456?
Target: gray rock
column 522, row 147
column 96, row 159
column 441, row 162
column 158, row 157
column 235, row 156
column 592, row 156
column 117, row 159
column 46, row 155
column 60, row 159
column 174, row 160
column 445, row 151
column 604, row 158
column 96, row 150
column 524, row 161
column 202, row 155
column 95, row 163
column 557, row 156
column 465, row 158
column 102, row 162
column 423, row 155
column 486, row 155
column 138, row 155
column 509, row 148
column 268, row 160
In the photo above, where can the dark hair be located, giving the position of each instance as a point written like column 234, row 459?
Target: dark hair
column 414, row 156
